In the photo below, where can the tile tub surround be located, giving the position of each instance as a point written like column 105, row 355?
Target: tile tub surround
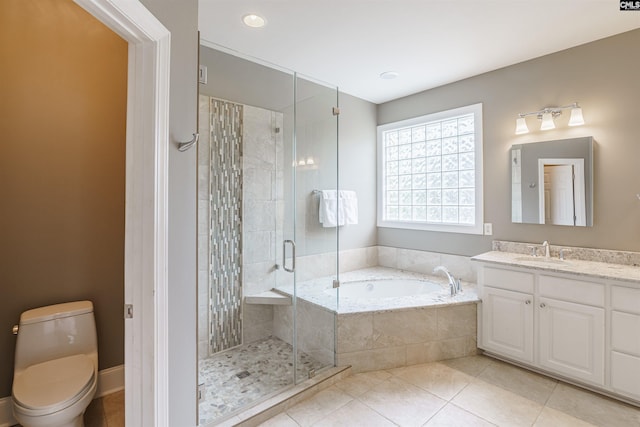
column 402, row 337
column 424, row 262
column 391, row 332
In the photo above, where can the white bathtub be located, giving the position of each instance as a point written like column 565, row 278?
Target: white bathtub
column 380, row 288
column 385, row 288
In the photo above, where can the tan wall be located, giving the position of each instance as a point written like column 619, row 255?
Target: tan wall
column 63, row 78
column 602, row 77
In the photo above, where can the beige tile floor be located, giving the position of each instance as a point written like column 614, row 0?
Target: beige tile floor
column 107, row 411
column 471, row 391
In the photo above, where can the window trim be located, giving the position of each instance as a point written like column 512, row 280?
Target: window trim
column 477, row 228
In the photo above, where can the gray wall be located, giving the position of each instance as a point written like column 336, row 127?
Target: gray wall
column 181, row 18
column 601, row 77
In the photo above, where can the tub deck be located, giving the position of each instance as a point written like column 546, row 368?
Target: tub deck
column 314, row 292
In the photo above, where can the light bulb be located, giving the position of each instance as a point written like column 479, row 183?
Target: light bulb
column 576, row 118
column 254, row 21
column 521, row 126
column 547, row 122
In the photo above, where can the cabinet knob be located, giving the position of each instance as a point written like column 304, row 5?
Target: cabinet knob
column 542, row 305
column 528, row 302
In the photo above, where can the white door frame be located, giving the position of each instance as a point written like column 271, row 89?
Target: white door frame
column 146, row 210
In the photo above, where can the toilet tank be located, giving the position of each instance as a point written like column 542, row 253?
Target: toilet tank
column 56, row 331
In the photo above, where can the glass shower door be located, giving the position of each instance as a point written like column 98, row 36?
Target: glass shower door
column 315, row 166
column 266, row 262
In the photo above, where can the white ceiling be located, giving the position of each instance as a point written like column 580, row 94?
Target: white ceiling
column 348, row 43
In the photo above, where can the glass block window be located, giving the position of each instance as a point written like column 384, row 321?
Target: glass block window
column 430, row 172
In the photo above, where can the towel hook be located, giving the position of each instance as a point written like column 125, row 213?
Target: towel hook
column 184, row 146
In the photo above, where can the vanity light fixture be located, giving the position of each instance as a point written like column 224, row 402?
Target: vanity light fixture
column 548, row 116
column 254, row 21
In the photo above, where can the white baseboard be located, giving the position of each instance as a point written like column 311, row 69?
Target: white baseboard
column 110, row 380
column 6, row 414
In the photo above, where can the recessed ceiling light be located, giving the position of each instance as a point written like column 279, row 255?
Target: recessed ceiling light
column 254, row 21
column 389, row 75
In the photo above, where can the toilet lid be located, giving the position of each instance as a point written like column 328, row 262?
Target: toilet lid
column 53, row 385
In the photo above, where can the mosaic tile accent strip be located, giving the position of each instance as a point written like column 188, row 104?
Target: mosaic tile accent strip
column 241, row 376
column 225, row 267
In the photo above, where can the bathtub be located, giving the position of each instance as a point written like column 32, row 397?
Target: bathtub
column 381, row 288
column 385, row 288
column 383, row 318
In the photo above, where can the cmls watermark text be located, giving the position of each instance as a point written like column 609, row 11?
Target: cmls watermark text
column 629, row 5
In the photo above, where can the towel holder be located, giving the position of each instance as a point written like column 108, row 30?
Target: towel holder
column 184, row 146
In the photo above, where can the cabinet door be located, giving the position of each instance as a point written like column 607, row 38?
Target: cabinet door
column 625, row 374
column 507, row 323
column 572, row 339
column 625, row 346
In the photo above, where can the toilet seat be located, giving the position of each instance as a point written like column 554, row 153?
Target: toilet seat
column 54, row 385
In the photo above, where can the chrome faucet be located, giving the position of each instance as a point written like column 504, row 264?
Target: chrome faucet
column 454, row 284
column 545, row 245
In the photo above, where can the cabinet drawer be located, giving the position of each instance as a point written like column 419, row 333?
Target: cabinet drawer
column 625, row 299
column 571, row 290
column 508, row 279
column 625, row 333
column 625, row 371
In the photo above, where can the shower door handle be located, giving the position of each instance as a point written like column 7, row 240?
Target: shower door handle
column 293, row 256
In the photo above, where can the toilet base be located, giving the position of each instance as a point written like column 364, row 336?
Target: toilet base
column 71, row 416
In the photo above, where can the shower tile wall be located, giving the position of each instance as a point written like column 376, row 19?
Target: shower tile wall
column 203, row 227
column 263, row 213
column 262, row 189
column 225, row 219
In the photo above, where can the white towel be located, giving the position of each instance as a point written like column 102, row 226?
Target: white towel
column 338, row 208
column 328, row 210
column 348, row 206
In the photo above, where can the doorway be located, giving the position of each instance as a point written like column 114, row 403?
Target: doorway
column 146, row 213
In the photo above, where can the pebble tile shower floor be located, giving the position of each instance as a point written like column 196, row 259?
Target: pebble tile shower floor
column 245, row 374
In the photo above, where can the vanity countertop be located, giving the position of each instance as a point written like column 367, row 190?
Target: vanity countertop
column 604, row 270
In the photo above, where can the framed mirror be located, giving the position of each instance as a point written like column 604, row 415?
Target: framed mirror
column 552, row 182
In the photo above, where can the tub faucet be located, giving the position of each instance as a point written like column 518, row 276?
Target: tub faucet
column 454, row 284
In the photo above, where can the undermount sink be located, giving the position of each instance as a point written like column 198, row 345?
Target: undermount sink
column 540, row 259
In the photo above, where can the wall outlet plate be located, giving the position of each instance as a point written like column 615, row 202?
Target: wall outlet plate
column 203, row 75
column 488, row 229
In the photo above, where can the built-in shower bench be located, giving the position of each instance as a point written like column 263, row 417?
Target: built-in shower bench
column 268, row 298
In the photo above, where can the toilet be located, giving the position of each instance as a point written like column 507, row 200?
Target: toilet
column 56, row 365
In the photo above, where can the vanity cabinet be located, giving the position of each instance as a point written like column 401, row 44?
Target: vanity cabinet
column 571, row 325
column 571, row 321
column 507, row 315
column 571, row 339
column 625, row 341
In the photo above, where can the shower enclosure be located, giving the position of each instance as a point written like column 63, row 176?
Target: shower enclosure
column 261, row 163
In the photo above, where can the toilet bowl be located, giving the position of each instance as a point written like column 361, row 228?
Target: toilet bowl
column 55, row 376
